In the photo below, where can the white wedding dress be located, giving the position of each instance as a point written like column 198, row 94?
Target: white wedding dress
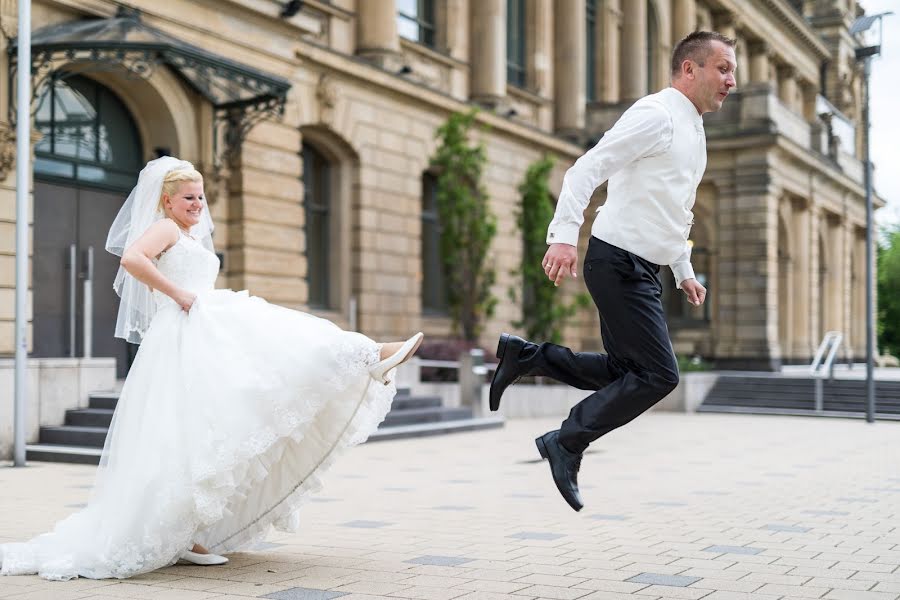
column 228, row 418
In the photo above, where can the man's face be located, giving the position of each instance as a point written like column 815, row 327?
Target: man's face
column 713, row 81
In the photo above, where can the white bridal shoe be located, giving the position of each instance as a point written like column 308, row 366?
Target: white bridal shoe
column 204, row 559
column 380, row 370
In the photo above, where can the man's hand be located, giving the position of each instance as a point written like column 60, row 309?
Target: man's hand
column 559, row 261
column 695, row 292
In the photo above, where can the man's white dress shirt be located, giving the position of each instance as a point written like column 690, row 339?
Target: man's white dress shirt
column 654, row 157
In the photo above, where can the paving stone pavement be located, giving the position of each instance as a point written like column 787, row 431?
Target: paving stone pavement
column 719, row 507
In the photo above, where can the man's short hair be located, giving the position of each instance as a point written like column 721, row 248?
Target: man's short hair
column 697, row 47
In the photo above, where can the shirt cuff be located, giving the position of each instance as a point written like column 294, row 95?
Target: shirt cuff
column 563, row 234
column 682, row 271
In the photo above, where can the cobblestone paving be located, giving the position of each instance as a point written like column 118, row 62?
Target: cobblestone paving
column 718, row 507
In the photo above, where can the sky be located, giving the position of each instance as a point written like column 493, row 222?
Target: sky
column 884, row 114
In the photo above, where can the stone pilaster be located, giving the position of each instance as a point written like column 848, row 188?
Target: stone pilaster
column 801, row 349
column 749, row 259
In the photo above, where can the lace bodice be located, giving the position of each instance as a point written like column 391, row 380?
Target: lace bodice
column 188, row 265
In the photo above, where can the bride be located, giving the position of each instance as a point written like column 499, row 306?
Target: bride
column 231, row 412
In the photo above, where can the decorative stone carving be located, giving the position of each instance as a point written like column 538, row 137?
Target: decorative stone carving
column 9, row 18
column 215, row 181
column 7, row 150
column 327, row 98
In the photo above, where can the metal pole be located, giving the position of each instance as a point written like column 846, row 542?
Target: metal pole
column 88, row 333
column 870, row 292
column 23, row 172
column 73, row 282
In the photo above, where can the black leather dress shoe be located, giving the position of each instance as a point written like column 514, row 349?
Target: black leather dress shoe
column 508, row 371
column 564, row 467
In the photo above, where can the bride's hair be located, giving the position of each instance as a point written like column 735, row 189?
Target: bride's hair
column 173, row 181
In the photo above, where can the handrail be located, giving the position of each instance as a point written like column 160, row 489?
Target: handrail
column 831, row 343
column 823, row 363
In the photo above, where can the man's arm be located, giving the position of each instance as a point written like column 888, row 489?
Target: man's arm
column 644, row 130
column 685, row 279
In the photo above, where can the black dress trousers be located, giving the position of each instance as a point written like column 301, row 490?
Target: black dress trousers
column 639, row 368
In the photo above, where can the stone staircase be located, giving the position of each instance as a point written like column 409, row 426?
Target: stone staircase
column 80, row 439
column 765, row 393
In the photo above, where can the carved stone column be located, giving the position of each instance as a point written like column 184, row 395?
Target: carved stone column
column 684, row 19
column 787, row 86
column 488, row 61
column 634, row 49
column 570, row 59
column 759, row 62
column 611, row 20
column 376, row 32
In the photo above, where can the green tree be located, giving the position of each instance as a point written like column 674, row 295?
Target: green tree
column 889, row 293
column 467, row 225
column 543, row 312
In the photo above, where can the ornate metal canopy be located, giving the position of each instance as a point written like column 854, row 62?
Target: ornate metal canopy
column 241, row 95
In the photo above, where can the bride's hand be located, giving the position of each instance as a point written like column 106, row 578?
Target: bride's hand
column 185, row 300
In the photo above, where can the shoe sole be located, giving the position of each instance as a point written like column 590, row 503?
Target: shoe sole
column 542, row 450
column 501, row 350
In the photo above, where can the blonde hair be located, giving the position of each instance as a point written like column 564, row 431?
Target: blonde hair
column 173, row 181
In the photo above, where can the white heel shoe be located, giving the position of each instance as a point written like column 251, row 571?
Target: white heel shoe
column 204, row 559
column 380, row 370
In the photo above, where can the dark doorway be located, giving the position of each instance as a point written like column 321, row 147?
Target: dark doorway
column 85, row 164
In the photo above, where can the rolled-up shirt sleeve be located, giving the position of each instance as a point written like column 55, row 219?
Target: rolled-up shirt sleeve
column 643, row 130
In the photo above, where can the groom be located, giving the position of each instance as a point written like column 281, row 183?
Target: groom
column 654, row 158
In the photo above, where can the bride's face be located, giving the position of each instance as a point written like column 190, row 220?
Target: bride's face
column 186, row 205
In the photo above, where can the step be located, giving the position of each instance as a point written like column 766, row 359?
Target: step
column 409, row 402
column 439, row 428
column 69, row 435
column 103, row 400
column 426, row 415
column 749, row 410
column 62, row 453
column 90, row 417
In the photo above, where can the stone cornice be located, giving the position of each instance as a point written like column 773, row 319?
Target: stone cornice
column 785, row 15
column 371, row 76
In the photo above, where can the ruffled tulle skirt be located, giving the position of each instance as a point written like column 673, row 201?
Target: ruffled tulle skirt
column 228, row 418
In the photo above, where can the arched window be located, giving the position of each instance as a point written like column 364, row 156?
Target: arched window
column 317, row 207
column 434, row 287
column 88, row 135
column 516, row 73
column 415, row 21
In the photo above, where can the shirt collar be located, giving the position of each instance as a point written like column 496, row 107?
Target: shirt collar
column 685, row 106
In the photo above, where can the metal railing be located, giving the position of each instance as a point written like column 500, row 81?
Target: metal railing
column 823, row 364
column 472, row 374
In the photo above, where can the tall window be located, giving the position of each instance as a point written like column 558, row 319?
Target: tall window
column 88, row 135
column 515, row 42
column 591, row 49
column 434, row 287
column 651, row 48
column 317, row 204
column 415, row 20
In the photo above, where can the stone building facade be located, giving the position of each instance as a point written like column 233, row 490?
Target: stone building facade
column 313, row 123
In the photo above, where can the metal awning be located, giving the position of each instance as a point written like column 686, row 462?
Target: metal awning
column 241, row 95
